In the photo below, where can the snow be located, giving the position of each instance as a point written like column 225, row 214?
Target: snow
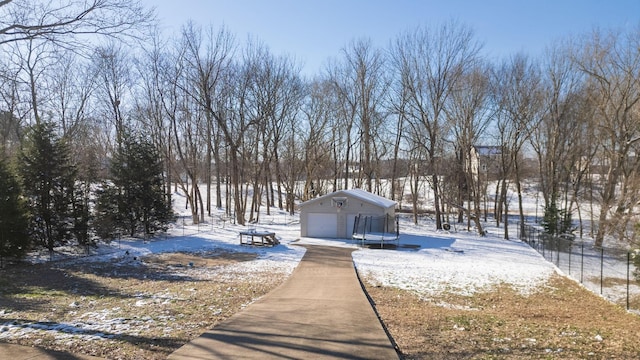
column 459, row 264
column 369, row 197
column 431, row 263
column 427, row 262
column 361, row 195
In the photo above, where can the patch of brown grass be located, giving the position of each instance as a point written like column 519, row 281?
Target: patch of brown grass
column 208, row 259
column 138, row 309
column 561, row 321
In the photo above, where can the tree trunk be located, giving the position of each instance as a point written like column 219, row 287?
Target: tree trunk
column 607, row 200
column 506, row 218
column 519, row 190
column 235, row 183
column 436, row 201
column 216, row 159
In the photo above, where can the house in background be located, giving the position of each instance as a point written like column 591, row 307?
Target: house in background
column 334, row 215
column 485, row 162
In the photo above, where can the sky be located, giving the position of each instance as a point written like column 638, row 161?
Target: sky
column 314, row 31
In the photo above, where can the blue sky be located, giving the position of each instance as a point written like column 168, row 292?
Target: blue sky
column 313, row 31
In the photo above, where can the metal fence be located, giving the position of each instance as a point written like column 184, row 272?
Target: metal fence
column 607, row 271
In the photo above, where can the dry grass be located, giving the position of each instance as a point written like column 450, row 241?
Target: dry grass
column 561, row 321
column 153, row 307
column 150, row 308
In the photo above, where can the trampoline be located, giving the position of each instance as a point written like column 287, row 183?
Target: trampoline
column 376, row 229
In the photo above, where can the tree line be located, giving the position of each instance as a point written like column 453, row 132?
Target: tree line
column 231, row 117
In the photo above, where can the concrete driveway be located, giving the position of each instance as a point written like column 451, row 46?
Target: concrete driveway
column 320, row 312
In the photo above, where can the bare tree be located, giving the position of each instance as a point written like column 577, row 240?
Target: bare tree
column 13, row 113
column 363, row 87
column 611, row 61
column 237, row 124
column 180, row 118
column 208, row 58
column 72, row 84
column 181, row 94
column 417, row 173
column 31, row 61
column 518, row 97
column 359, row 85
column 115, row 81
column 397, row 108
column 69, row 23
column 35, row 34
column 429, row 64
column 150, row 111
column 344, row 123
column 288, row 93
column 468, row 112
column 558, row 140
column 316, row 136
column 583, row 156
column 274, row 95
column 258, row 102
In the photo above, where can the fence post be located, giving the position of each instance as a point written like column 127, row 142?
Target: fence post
column 570, row 251
column 628, row 278
column 582, row 263
column 601, row 270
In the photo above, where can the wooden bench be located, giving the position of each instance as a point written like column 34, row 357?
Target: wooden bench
column 266, row 238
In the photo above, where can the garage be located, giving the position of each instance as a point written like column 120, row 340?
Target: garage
column 333, row 215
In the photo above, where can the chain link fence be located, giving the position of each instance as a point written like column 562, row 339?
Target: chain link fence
column 607, row 271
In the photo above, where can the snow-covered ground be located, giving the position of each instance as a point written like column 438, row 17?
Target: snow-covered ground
column 428, row 262
column 457, row 263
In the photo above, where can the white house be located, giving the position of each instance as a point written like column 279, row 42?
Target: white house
column 333, row 215
column 485, row 161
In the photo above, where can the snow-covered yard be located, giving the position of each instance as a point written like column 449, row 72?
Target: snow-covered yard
column 460, row 264
column 427, row 262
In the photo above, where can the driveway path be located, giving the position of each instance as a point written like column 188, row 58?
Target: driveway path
column 320, row 312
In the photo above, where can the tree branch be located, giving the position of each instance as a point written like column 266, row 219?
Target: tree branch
column 64, row 21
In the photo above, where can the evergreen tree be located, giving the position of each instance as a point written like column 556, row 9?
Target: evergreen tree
column 87, row 162
column 14, row 236
column 550, row 220
column 49, row 184
column 81, row 216
column 556, row 221
column 108, row 220
column 133, row 201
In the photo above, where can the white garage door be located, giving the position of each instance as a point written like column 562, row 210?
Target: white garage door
column 322, row 225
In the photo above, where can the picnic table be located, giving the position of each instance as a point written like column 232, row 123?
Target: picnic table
column 266, row 238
